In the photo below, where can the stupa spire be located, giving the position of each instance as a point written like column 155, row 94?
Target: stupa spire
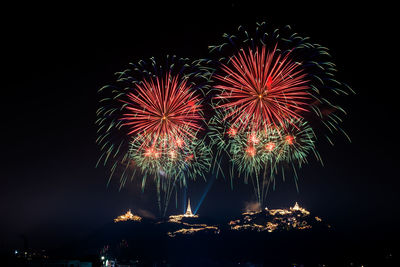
column 188, row 212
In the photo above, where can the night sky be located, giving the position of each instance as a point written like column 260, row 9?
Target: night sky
column 55, row 58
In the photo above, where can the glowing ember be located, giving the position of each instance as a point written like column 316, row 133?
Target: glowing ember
column 251, row 151
column 151, row 152
column 253, row 138
column 179, row 142
column 189, row 158
column 232, row 132
column 270, row 146
column 172, row 154
column 289, row 139
column 269, row 82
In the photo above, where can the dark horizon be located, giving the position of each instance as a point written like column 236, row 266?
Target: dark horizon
column 56, row 61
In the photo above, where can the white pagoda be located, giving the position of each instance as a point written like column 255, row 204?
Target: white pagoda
column 188, row 212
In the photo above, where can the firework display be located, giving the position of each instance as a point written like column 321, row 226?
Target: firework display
column 273, row 94
column 149, row 124
column 268, row 94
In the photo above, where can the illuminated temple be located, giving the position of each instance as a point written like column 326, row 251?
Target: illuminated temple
column 188, row 212
column 189, row 224
column 267, row 220
column 291, row 210
column 128, row 216
column 271, row 220
column 179, row 217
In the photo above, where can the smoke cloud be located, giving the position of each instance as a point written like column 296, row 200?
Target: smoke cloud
column 252, row 206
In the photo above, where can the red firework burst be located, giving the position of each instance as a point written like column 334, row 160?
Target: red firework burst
column 262, row 88
column 163, row 107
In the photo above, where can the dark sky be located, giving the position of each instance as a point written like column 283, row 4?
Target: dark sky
column 54, row 59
